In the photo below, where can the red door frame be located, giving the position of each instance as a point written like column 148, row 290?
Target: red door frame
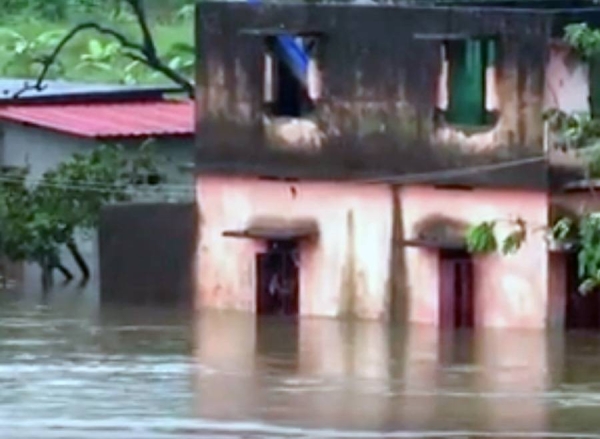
column 456, row 293
column 582, row 311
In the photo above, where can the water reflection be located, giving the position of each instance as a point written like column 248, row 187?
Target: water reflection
column 515, row 369
column 69, row 368
column 365, row 376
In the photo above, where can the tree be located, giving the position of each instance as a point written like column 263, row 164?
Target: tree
column 143, row 52
column 38, row 219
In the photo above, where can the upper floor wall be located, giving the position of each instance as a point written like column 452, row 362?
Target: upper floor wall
column 389, row 90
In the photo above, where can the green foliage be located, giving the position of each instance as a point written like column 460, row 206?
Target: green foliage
column 72, row 9
column 25, row 233
column 26, row 52
column 583, row 38
column 513, row 242
column 579, row 130
column 100, row 56
column 589, row 253
column 185, row 13
column 575, row 130
column 481, row 238
column 37, row 219
column 28, row 37
column 563, row 230
column 181, row 58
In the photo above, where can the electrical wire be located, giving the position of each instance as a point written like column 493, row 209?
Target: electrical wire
column 186, row 189
column 424, row 177
column 101, row 187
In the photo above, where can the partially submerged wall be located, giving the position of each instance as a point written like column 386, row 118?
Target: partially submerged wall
column 345, row 272
column 510, row 290
column 147, row 252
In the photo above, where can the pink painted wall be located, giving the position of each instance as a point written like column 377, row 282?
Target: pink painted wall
column 510, row 290
column 355, row 224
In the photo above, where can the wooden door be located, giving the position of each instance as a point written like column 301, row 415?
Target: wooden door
column 263, row 299
column 277, row 289
column 583, row 311
column 456, row 295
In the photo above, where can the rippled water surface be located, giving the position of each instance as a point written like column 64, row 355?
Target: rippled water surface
column 72, row 369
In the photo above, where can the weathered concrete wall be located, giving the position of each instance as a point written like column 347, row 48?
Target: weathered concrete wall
column 38, row 149
column 357, row 267
column 510, row 290
column 345, row 272
column 377, row 111
column 573, row 204
column 147, row 252
column 567, row 82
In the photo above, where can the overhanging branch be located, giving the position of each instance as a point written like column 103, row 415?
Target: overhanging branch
column 49, row 60
column 148, row 41
column 145, row 53
column 168, row 72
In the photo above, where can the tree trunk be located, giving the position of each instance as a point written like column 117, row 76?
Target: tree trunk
column 64, row 271
column 47, row 280
column 83, row 266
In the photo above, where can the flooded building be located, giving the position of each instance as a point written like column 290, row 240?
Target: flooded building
column 344, row 150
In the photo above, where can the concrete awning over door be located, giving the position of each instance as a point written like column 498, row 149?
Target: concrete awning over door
column 438, row 232
column 275, row 228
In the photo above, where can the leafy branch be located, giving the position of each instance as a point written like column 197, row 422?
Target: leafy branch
column 588, row 257
column 578, row 130
column 584, row 39
column 583, row 234
column 515, row 239
column 481, row 238
column 144, row 52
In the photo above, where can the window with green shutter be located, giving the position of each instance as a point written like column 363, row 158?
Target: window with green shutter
column 467, row 64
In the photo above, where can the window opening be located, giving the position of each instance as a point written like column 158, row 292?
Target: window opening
column 291, row 87
column 468, row 61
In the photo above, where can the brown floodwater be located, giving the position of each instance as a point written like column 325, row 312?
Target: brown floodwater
column 70, row 368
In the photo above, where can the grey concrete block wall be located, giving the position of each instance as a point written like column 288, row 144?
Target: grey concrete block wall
column 147, row 253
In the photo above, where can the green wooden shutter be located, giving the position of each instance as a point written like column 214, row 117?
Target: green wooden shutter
column 491, row 57
column 466, row 82
column 594, row 78
column 491, row 54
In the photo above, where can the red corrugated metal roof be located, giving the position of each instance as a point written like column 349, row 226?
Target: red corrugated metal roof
column 108, row 120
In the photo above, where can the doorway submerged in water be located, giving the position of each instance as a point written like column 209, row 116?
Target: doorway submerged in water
column 277, row 286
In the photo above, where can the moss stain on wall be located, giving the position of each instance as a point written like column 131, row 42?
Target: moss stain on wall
column 348, row 288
